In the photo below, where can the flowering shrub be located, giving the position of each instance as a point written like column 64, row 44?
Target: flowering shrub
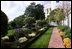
column 5, row 38
column 67, row 42
column 22, row 39
column 32, row 34
column 61, row 33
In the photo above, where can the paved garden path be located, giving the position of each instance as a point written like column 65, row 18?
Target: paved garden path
column 56, row 40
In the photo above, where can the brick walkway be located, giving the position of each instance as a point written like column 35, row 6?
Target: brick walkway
column 56, row 40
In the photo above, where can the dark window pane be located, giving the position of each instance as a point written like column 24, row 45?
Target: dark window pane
column 57, row 1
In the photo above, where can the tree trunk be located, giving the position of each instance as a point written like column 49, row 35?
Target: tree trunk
column 58, row 22
column 63, row 22
column 68, row 21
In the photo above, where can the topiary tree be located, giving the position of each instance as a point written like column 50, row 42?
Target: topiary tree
column 4, row 23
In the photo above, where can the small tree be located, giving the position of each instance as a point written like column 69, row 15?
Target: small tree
column 56, row 15
column 59, row 16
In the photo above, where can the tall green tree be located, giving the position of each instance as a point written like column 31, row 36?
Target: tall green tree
column 30, row 10
column 36, row 11
column 39, row 11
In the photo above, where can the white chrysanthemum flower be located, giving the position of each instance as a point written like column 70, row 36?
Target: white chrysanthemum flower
column 5, row 37
column 41, row 29
column 22, row 39
column 32, row 34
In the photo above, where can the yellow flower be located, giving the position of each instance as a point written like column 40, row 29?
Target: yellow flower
column 62, row 33
column 67, row 42
column 68, row 46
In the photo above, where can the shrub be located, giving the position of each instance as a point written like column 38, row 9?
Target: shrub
column 32, row 34
column 26, row 30
column 11, row 32
column 20, row 32
column 19, row 21
column 42, row 29
column 28, row 22
column 66, row 30
column 5, row 38
column 67, row 42
column 10, row 27
column 4, row 23
column 61, row 27
column 22, row 39
column 41, row 23
column 62, row 33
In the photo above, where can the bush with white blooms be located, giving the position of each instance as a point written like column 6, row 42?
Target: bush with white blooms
column 22, row 39
column 5, row 38
column 32, row 34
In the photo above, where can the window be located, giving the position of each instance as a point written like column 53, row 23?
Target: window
column 57, row 1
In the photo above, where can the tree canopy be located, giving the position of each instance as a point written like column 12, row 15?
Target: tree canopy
column 35, row 11
column 56, row 15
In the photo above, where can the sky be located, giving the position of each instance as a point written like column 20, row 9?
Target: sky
column 15, row 8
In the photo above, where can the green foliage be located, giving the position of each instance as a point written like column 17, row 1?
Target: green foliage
column 26, row 30
column 35, row 11
column 41, row 23
column 68, row 32
column 65, row 29
column 56, row 15
column 61, row 27
column 11, row 25
column 19, row 21
column 29, row 21
column 11, row 32
column 59, row 15
column 21, row 32
column 39, row 12
column 4, row 23
column 30, row 10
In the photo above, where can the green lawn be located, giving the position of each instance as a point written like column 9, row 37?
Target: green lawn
column 43, row 41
